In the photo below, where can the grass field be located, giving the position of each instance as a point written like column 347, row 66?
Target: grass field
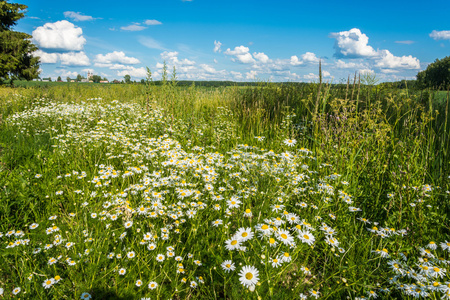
column 274, row 191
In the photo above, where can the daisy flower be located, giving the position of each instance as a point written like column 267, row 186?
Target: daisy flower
column 249, row 276
column 138, row 282
column 244, row 234
column 160, row 257
column 276, row 262
column 152, row 285
column 34, row 226
column 290, row 142
column 122, row 271
column 131, row 254
column 228, row 266
column 232, row 244
column 48, row 283
column 285, row 237
column 306, row 237
column 16, row 290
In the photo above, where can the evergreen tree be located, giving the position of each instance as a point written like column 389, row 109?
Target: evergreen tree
column 16, row 59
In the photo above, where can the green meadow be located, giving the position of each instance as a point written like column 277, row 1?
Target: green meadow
column 266, row 191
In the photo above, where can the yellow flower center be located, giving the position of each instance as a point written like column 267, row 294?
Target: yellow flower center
column 234, row 242
column 284, row 236
column 306, row 236
column 264, row 227
column 249, row 276
column 244, row 234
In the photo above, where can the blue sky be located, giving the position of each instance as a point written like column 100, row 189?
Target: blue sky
column 238, row 40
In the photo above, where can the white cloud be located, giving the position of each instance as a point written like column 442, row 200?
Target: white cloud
column 152, row 22
column 208, row 68
column 172, row 58
column 74, row 59
column 310, row 57
column 349, row 65
column 366, row 72
column 217, row 46
column 64, row 74
column 120, row 67
column 116, row 57
column 440, row 35
column 242, row 54
column 68, row 58
column 387, row 60
column 237, row 75
column 61, row 35
column 352, row 43
column 151, row 43
column 251, row 75
column 133, row 27
column 326, row 74
column 311, row 76
column 295, row 61
column 215, row 61
column 133, row 72
column 76, row 16
column 46, row 58
column 261, row 57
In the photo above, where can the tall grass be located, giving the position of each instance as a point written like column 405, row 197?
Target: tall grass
column 381, row 148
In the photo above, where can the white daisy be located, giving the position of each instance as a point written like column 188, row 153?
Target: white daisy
column 249, row 276
column 152, row 285
column 228, row 266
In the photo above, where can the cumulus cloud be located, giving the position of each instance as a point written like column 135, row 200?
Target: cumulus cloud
column 208, row 68
column 366, row 72
column 59, row 36
column 310, row 57
column 65, row 73
column 116, row 57
column 241, row 53
column 152, row 22
column 76, row 16
column 172, row 58
column 349, row 65
column 311, row 76
column 68, row 58
column 151, row 43
column 251, row 75
column 217, row 46
column 133, row 27
column 261, row 57
column 326, row 74
column 133, row 72
column 74, row 59
column 387, row 60
column 237, row 75
column 440, row 35
column 352, row 43
column 295, row 61
column 46, row 58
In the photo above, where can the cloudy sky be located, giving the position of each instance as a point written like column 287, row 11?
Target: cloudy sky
column 238, row 40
